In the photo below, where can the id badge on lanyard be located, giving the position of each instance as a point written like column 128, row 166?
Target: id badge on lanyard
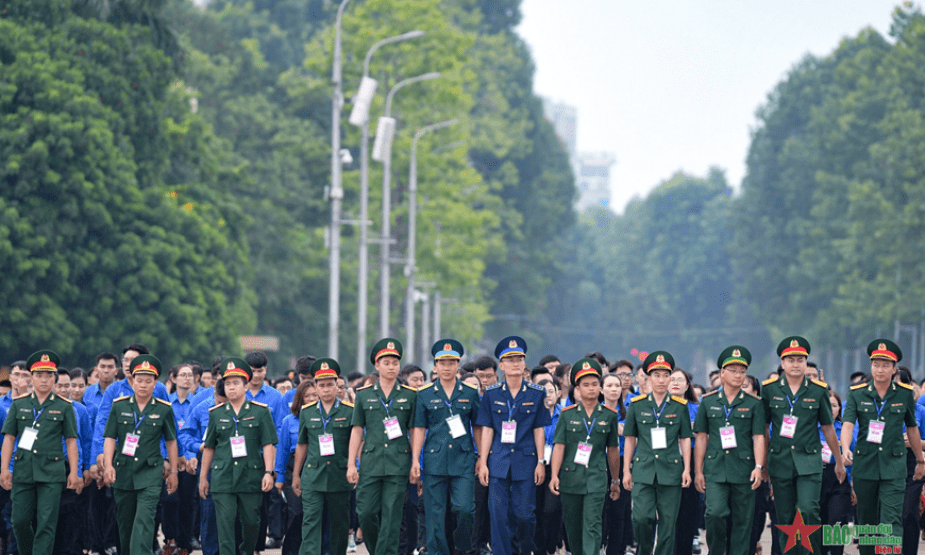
column 238, row 443
column 727, row 434
column 875, row 427
column 29, row 435
column 390, row 423
column 788, row 426
column 509, row 427
column 658, row 435
column 583, row 453
column 326, row 444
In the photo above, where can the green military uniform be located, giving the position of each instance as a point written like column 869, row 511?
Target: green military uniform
column 795, row 463
column 879, row 470
column 324, row 477
column 140, row 475
column 449, row 463
column 385, row 463
column 657, row 472
column 583, row 487
column 39, row 472
column 727, row 472
column 236, row 481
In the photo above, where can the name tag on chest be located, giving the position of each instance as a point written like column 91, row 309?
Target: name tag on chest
column 659, row 438
column 130, row 445
column 238, row 447
column 27, row 439
column 727, row 436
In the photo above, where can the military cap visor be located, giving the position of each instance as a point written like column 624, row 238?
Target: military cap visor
column 388, row 347
column 146, row 364
column 43, row 361
column 583, row 368
column 735, row 354
column 658, row 360
column 884, row 349
column 325, row 368
column 793, row 346
column 447, row 349
column 236, row 367
column 511, row 346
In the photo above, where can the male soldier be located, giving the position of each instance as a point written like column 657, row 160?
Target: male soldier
column 239, row 450
column 511, row 452
column 135, row 427
column 321, row 458
column 658, row 430
column 796, row 406
column 880, row 408
column 730, row 434
column 386, row 410
column 445, row 411
column 36, row 423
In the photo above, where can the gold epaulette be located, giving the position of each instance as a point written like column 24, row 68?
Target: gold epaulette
column 681, row 400
column 821, row 383
column 570, row 407
column 124, row 397
column 431, row 384
column 907, row 386
column 365, row 387
column 639, row 397
column 21, row 396
column 753, row 395
column 705, row 395
column 475, row 387
column 259, row 404
column 66, row 400
column 610, row 409
column 858, row 386
column 348, row 403
column 216, row 406
column 770, row 380
column 409, row 387
column 313, row 403
column 163, row 402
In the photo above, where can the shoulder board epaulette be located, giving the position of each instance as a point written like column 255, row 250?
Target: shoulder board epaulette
column 752, row 395
column 72, row 402
column 408, row 387
column 470, row 385
column 22, row 396
column 313, row 403
column 348, row 403
column 365, row 387
column 536, row 387
column 770, row 380
column 639, row 397
column 124, row 397
column 705, row 395
column 216, row 406
column 907, row 386
column 431, row 384
column 496, row 386
column 858, row 386
column 163, row 402
column 610, row 409
column 681, row 400
column 259, row 404
column 570, row 407
column 822, row 384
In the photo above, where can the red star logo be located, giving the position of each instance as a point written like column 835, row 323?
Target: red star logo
column 798, row 529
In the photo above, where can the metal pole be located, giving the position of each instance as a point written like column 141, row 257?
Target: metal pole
column 363, row 270
column 425, row 324
column 336, row 195
column 437, row 302
column 384, row 273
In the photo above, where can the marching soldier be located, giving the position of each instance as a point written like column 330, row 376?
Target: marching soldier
column 658, row 431
column 730, row 436
column 135, row 427
column 386, row 410
column 445, row 411
column 587, row 439
column 796, row 406
column 880, row 409
column 35, row 425
column 321, row 458
column 511, row 452
column 239, row 450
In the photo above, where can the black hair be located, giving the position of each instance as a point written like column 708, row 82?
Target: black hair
column 175, row 370
column 780, row 370
column 18, row 364
column 355, row 376
column 138, row 348
column 855, row 375
column 547, row 359
column 812, row 365
column 99, row 357
column 537, row 370
column 837, row 397
column 544, row 382
column 195, row 367
column 219, row 386
column 6, row 383
column 62, row 371
column 756, row 385
column 409, row 369
column 304, row 364
column 562, row 370
column 599, row 357
column 467, row 375
column 621, row 363
column 485, row 362
column 278, row 381
column 256, row 359
column 903, row 375
column 77, row 372
column 467, row 368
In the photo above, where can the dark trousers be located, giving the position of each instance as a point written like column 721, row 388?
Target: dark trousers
column 459, row 491
column 408, row 533
column 618, row 521
column 686, row 527
column 764, row 508
column 548, row 518
column 177, row 511
column 208, row 530
column 835, row 504
column 800, row 493
column 481, row 526
column 910, row 513
column 136, row 510
column 292, row 540
column 71, row 524
column 102, row 529
column 512, row 515
column 271, row 519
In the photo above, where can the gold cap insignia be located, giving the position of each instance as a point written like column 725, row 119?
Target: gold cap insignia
column 447, row 347
column 881, row 347
column 324, row 366
column 45, row 358
column 390, row 345
column 736, row 353
column 512, row 344
column 146, row 365
column 230, row 366
column 794, row 343
column 586, row 366
column 659, row 358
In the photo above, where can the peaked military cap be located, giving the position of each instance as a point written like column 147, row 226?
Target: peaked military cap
column 232, row 367
column 388, row 347
column 511, row 346
column 793, row 345
column 325, row 368
column 146, row 364
column 735, row 354
column 43, row 361
column 447, row 349
column 585, row 367
column 658, row 360
column 884, row 349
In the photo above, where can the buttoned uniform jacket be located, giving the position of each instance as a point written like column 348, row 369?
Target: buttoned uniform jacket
column 382, row 456
column 145, row 467
column 746, row 416
column 326, row 473
column 886, row 460
column 58, row 420
column 667, row 464
column 811, row 406
column 571, row 430
column 444, row 455
column 527, row 409
column 254, row 423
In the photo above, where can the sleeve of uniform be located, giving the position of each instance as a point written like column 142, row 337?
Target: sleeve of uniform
column 414, row 407
column 110, row 429
column 210, row 440
column 825, row 409
column 700, row 422
column 359, row 416
column 9, row 426
column 629, row 425
column 420, row 414
column 559, row 435
column 613, row 439
column 303, row 428
column 542, row 416
column 766, row 403
column 484, row 414
column 474, row 409
column 686, row 426
column 170, row 429
column 282, row 450
column 2, row 417
column 102, row 416
column 268, row 431
column 851, row 410
column 759, row 420
column 70, row 422
column 910, row 413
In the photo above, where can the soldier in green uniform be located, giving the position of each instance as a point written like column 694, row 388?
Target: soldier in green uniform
column 728, row 454
column 321, row 458
column 35, row 425
column 658, row 445
column 134, row 430
column 239, row 451
column 385, row 410
column 796, row 407
column 586, row 440
column 444, row 413
column 880, row 409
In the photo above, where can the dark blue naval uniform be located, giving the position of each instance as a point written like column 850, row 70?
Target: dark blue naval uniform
column 511, row 491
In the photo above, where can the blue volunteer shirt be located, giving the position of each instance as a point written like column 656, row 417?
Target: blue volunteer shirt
column 194, row 431
column 285, row 449
column 273, row 399
column 181, row 414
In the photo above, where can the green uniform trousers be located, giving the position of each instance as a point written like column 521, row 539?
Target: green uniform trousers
column 799, row 493
column 723, row 499
column 246, row 506
column 461, row 490
column 380, row 505
column 880, row 502
column 135, row 511
column 338, row 517
column 651, row 501
column 39, row 501
column 581, row 514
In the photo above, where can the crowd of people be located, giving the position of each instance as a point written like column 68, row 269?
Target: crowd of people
column 486, row 456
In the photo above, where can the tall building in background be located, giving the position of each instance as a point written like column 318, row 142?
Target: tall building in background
column 591, row 169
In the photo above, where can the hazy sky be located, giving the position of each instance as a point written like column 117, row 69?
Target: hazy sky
column 674, row 84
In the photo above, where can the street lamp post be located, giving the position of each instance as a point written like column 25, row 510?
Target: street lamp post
column 360, row 116
column 412, row 228
column 384, row 153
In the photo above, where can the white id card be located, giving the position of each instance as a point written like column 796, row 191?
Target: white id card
column 659, row 439
column 509, row 431
column 392, row 429
column 727, row 436
column 28, row 437
column 788, row 427
column 826, row 453
column 238, row 447
column 326, row 444
column 130, row 444
column 456, row 426
column 875, row 431
column 583, row 453
column 547, row 454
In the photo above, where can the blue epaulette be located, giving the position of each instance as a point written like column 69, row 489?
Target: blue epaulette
column 536, row 387
column 496, row 386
